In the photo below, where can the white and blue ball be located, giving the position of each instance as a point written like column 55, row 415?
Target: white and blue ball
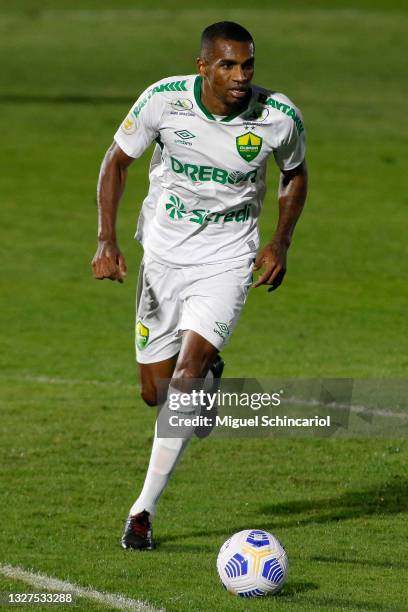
column 252, row 563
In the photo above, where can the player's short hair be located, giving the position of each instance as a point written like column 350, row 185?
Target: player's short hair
column 227, row 30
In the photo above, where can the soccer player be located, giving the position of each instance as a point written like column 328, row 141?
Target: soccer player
column 214, row 132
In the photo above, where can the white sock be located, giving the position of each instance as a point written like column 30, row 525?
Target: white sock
column 163, row 459
column 165, row 454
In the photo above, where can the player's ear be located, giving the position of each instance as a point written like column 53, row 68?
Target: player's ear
column 201, row 66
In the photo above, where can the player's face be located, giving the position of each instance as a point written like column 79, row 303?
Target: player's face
column 227, row 69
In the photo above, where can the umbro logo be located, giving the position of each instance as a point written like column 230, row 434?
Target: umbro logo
column 223, row 329
column 184, row 134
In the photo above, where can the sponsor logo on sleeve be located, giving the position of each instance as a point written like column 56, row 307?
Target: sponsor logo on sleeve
column 169, row 86
column 287, row 110
column 129, row 125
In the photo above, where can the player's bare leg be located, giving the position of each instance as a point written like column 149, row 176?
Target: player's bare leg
column 193, row 362
column 151, row 373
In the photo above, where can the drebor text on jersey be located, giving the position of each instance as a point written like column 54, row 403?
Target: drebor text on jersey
column 211, row 173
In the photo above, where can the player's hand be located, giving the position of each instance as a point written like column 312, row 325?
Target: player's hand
column 108, row 262
column 273, row 258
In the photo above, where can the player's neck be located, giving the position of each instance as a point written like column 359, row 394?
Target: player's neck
column 216, row 106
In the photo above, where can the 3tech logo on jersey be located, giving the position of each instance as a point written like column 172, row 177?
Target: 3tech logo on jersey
column 248, row 145
column 142, row 335
column 175, row 208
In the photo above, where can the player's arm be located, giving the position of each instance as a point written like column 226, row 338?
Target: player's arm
column 108, row 261
column 292, row 196
column 135, row 134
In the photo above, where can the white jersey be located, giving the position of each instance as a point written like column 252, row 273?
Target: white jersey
column 207, row 176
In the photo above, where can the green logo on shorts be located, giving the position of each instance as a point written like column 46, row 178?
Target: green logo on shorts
column 142, row 335
column 175, row 208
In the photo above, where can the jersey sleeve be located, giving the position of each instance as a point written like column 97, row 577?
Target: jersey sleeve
column 141, row 126
column 291, row 151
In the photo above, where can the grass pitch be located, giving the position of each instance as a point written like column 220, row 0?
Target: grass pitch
column 75, row 435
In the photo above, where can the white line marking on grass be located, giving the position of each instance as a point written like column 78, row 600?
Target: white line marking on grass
column 363, row 410
column 42, row 581
column 356, row 409
column 48, row 380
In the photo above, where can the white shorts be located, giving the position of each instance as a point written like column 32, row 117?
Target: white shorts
column 207, row 299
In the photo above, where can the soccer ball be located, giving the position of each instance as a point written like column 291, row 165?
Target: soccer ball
column 252, row 563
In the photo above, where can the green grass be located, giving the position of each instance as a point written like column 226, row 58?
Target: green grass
column 74, row 479
column 73, row 454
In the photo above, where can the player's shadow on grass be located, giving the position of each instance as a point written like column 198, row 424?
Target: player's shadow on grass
column 386, row 564
column 294, row 587
column 331, row 603
column 385, row 498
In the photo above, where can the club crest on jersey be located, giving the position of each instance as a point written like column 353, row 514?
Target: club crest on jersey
column 142, row 335
column 248, row 145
